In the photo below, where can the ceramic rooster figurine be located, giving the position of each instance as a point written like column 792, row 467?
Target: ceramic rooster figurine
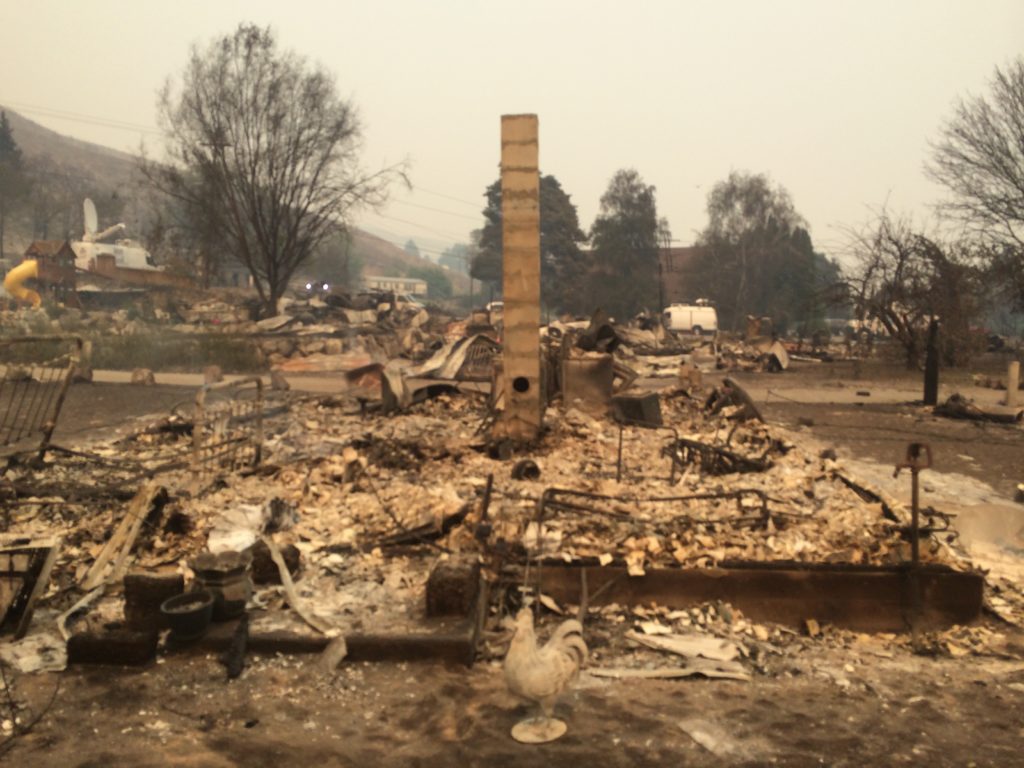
column 542, row 674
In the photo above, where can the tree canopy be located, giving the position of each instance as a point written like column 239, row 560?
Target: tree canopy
column 758, row 257
column 561, row 263
column 457, row 258
column 265, row 133
column 439, row 285
column 625, row 239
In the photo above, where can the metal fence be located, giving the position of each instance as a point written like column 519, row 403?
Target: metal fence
column 227, row 431
column 35, row 372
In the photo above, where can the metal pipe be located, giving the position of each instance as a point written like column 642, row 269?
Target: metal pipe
column 918, row 457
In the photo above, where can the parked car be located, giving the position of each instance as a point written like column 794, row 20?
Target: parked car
column 697, row 318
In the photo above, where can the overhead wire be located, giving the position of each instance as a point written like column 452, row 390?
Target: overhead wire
column 475, row 205
column 78, row 117
column 87, row 119
column 437, row 210
column 446, row 235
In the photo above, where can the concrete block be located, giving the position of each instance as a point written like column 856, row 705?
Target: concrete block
column 117, row 645
column 453, row 587
column 144, row 591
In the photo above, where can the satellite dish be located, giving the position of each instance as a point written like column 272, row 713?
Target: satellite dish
column 91, row 221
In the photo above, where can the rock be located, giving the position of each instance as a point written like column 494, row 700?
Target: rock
column 278, row 382
column 82, row 374
column 812, row 628
column 274, row 323
column 17, row 373
column 212, row 374
column 313, row 347
column 264, row 569
column 143, row 377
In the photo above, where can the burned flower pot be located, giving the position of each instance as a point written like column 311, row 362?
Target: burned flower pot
column 188, row 615
column 226, row 576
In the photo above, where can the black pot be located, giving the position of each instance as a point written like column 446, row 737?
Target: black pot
column 188, row 615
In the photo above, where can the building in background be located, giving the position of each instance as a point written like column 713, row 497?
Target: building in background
column 677, row 268
column 409, row 285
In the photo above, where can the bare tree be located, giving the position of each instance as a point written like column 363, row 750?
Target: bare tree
column 904, row 279
column 55, row 199
column 979, row 158
column 265, row 134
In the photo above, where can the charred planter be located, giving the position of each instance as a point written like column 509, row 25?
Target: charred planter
column 188, row 615
column 226, row 576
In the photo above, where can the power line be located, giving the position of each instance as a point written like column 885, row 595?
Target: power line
column 446, row 235
column 77, row 117
column 476, row 205
column 396, row 239
column 124, row 125
column 438, row 210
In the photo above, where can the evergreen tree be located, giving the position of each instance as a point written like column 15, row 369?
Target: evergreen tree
column 14, row 184
column 623, row 278
column 562, row 264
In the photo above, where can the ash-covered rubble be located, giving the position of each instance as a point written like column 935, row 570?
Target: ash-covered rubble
column 310, row 334
column 372, row 501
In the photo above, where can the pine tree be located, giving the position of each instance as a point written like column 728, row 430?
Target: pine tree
column 13, row 181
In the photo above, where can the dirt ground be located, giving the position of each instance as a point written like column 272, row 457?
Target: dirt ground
column 92, row 411
column 816, row 706
column 823, row 401
column 819, row 710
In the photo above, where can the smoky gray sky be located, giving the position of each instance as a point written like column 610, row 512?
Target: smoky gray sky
column 835, row 101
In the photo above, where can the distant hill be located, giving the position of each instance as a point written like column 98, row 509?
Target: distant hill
column 110, row 166
column 380, row 257
column 116, row 170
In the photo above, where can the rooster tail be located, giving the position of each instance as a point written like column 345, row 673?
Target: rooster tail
column 568, row 638
column 567, row 627
column 573, row 645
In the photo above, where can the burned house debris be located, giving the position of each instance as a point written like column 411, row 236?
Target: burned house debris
column 614, row 486
column 391, row 520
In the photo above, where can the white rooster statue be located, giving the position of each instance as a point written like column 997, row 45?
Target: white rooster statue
column 542, row 674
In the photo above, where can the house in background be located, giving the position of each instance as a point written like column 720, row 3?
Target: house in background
column 56, row 265
column 234, row 274
column 677, row 269
column 407, row 285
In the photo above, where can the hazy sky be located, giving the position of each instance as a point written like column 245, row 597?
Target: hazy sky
column 835, row 101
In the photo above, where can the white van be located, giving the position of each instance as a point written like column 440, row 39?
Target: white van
column 697, row 318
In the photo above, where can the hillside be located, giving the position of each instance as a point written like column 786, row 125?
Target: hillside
column 111, row 166
column 112, row 170
column 380, row 257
